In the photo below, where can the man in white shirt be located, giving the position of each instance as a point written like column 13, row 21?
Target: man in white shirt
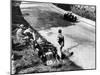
column 19, row 34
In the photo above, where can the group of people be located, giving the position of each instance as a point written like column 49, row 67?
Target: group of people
column 25, row 36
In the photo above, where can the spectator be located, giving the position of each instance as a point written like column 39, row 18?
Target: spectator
column 61, row 42
column 30, row 37
column 20, row 35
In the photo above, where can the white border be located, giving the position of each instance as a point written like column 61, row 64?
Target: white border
column 5, row 36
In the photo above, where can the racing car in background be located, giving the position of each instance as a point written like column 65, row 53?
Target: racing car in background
column 70, row 17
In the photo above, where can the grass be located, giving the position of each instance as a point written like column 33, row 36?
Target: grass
column 31, row 63
column 84, row 12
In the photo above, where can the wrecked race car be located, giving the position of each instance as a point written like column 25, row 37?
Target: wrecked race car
column 47, row 52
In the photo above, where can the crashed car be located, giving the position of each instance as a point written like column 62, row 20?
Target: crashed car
column 70, row 17
column 47, row 53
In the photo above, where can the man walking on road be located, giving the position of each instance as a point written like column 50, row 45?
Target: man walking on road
column 61, row 42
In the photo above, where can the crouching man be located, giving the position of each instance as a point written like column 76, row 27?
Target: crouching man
column 29, row 37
